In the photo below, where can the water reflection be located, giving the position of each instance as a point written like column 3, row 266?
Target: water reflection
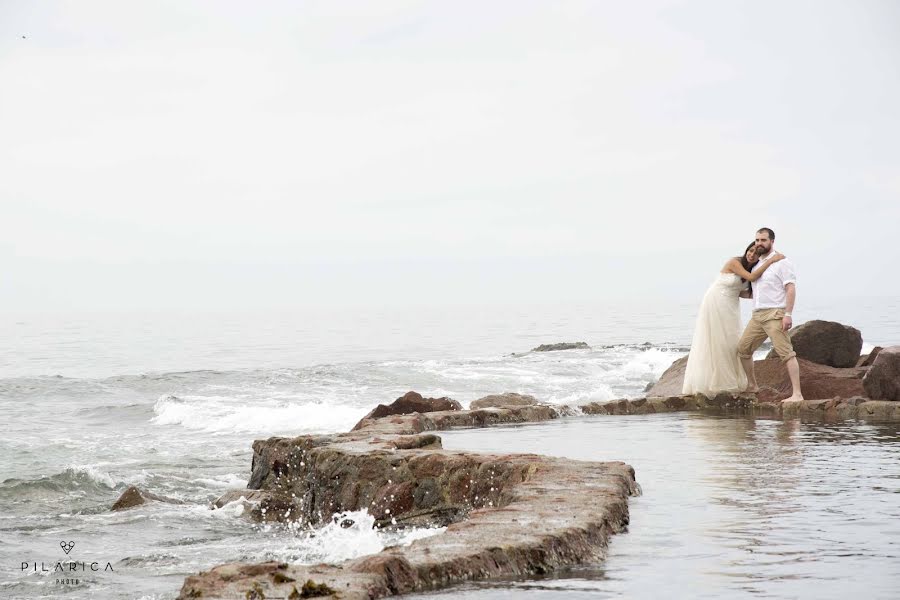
column 731, row 507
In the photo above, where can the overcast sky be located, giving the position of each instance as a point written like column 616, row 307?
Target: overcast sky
column 221, row 154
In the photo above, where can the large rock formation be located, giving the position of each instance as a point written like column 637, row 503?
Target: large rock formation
column 882, row 381
column 817, row 381
column 507, row 399
column 503, row 512
column 826, row 343
column 411, row 402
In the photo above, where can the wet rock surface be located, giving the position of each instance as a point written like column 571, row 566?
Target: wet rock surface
column 506, row 515
column 411, row 402
column 561, row 346
column 882, row 381
column 857, row 407
column 826, row 343
column 507, row 399
column 135, row 496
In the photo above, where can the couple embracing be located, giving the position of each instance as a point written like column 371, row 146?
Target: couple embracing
column 721, row 358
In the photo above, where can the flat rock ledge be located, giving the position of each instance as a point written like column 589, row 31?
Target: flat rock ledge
column 857, row 407
column 507, row 515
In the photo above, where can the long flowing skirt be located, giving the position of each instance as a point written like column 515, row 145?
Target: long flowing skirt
column 713, row 364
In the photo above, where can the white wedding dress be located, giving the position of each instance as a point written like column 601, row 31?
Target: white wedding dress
column 713, row 364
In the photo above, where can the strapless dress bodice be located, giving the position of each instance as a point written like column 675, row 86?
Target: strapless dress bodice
column 729, row 283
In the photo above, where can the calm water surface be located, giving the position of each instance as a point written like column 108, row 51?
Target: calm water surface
column 732, row 507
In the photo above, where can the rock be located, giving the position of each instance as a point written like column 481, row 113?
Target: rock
column 135, row 496
column 508, row 515
column 833, row 409
column 866, row 360
column 561, row 346
column 671, row 381
column 411, row 402
column 882, row 381
column 817, row 381
column 826, row 343
column 507, row 399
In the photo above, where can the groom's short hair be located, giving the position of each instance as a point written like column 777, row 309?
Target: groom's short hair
column 768, row 231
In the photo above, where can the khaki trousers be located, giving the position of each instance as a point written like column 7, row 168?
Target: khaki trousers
column 766, row 323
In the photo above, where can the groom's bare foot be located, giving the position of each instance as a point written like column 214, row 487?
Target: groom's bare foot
column 794, row 398
column 753, row 389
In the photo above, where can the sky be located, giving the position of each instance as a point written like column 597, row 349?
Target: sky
column 218, row 155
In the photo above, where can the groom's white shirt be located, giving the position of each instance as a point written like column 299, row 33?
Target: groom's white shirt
column 768, row 290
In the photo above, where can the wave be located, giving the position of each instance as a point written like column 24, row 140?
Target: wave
column 224, row 414
column 84, row 479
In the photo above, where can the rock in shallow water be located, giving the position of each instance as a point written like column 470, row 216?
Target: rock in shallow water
column 561, row 346
column 135, row 496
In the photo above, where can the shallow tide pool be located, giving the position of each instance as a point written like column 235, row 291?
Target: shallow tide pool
column 731, row 507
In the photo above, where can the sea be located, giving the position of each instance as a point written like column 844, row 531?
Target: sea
column 171, row 402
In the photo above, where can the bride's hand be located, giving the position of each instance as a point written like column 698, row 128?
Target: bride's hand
column 778, row 256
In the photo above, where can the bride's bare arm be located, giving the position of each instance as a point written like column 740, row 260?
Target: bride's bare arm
column 734, row 266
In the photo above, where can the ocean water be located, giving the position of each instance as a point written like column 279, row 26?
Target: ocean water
column 171, row 402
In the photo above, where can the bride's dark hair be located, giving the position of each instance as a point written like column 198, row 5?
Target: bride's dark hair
column 744, row 262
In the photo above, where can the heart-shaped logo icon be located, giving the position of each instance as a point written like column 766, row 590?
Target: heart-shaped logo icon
column 67, row 546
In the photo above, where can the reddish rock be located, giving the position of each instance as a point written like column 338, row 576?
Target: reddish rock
column 882, row 381
column 866, row 360
column 507, row 399
column 671, row 381
column 135, row 496
column 412, row 402
column 508, row 515
column 816, row 380
column 826, row 343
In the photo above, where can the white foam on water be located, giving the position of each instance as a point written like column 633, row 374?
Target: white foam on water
column 351, row 535
column 94, row 473
column 650, row 363
column 222, row 414
column 229, row 480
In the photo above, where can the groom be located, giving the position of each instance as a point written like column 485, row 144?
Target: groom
column 773, row 301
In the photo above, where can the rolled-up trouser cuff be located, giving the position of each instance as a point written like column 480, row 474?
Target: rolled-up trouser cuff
column 788, row 357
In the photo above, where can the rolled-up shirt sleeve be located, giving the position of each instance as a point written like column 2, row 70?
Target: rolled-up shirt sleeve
column 788, row 273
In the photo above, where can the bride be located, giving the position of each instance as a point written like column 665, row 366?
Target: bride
column 713, row 364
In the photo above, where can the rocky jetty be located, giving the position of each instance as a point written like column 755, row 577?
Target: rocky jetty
column 561, row 346
column 506, row 515
column 857, row 407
